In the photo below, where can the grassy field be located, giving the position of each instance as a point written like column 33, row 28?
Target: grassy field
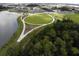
column 40, row 18
column 74, row 17
column 58, row 16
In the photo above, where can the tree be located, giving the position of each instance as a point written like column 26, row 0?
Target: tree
column 75, row 51
column 54, row 8
column 60, row 46
column 64, row 8
column 51, row 33
column 37, row 48
column 48, row 48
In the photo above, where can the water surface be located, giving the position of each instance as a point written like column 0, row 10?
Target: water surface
column 8, row 25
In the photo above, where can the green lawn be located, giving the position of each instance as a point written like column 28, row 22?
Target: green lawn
column 58, row 16
column 74, row 17
column 40, row 18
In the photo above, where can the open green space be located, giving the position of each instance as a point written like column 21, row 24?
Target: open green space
column 40, row 18
column 58, row 15
column 74, row 17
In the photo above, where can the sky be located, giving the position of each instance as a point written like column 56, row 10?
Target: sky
column 40, row 1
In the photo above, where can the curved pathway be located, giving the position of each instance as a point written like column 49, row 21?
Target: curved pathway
column 24, row 35
column 24, row 26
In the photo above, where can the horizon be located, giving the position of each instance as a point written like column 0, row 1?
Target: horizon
column 37, row 3
column 40, row 1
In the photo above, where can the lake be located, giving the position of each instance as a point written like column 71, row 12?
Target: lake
column 8, row 25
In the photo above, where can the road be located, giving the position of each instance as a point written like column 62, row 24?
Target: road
column 24, row 35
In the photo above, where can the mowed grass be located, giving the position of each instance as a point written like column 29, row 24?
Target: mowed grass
column 74, row 17
column 40, row 18
column 58, row 16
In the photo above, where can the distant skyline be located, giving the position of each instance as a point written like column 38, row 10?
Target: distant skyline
column 40, row 1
